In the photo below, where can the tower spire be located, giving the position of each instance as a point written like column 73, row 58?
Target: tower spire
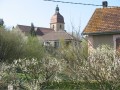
column 57, row 9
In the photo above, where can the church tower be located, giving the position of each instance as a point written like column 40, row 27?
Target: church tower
column 57, row 21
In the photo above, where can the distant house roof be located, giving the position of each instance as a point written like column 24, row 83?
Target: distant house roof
column 104, row 21
column 47, row 34
column 52, row 36
column 39, row 30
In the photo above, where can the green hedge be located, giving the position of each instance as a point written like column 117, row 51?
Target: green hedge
column 76, row 86
column 72, row 86
column 68, row 86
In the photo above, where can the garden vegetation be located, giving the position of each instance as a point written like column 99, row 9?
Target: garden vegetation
column 27, row 65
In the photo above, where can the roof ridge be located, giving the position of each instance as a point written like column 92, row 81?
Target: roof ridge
column 109, row 8
column 35, row 26
column 44, row 28
column 21, row 25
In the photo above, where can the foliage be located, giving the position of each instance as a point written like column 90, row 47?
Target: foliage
column 104, row 67
column 11, row 45
column 32, row 30
column 27, row 65
column 1, row 22
column 74, row 57
column 101, row 65
column 14, row 45
column 33, row 48
column 31, row 73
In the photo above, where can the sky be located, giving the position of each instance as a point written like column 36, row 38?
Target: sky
column 39, row 12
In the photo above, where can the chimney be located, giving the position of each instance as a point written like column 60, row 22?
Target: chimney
column 105, row 4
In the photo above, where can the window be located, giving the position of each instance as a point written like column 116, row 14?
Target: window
column 118, row 44
column 60, row 26
column 68, row 42
column 47, row 43
column 56, row 44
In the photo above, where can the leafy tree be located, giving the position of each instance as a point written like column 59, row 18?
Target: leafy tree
column 11, row 45
column 1, row 22
column 34, row 48
column 14, row 45
column 32, row 30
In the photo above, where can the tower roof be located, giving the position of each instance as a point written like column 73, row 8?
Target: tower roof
column 57, row 17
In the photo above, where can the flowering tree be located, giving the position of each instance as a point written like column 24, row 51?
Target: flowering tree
column 101, row 66
column 32, row 73
column 104, row 64
column 74, row 56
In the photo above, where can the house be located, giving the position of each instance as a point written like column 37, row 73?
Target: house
column 104, row 27
column 54, row 38
column 50, row 36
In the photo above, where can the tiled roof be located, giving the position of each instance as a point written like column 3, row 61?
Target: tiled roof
column 52, row 36
column 104, row 20
column 39, row 30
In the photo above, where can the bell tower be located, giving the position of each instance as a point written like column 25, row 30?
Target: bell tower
column 57, row 21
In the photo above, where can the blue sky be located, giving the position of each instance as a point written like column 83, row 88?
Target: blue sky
column 40, row 12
